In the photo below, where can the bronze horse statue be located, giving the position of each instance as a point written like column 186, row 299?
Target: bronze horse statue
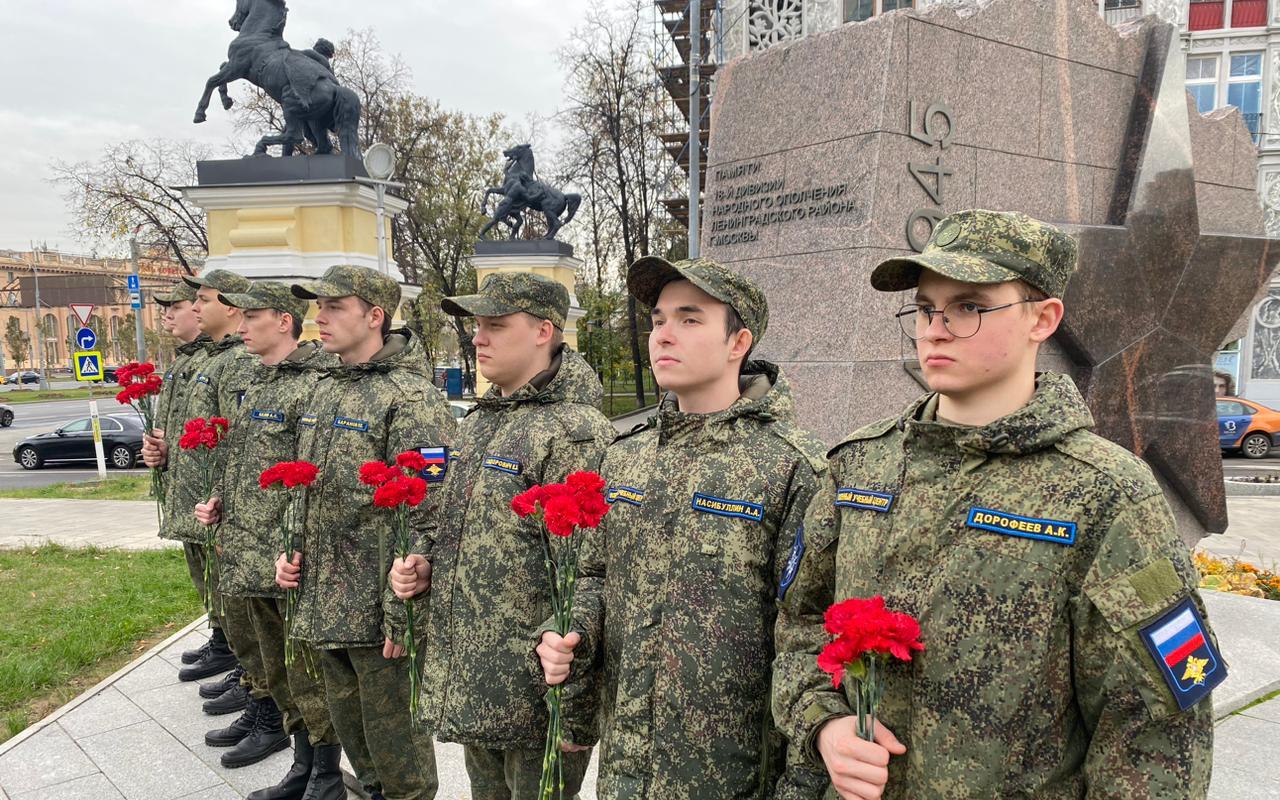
column 310, row 96
column 521, row 191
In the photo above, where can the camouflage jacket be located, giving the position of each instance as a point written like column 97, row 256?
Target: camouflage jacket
column 677, row 594
column 1033, row 553
column 482, row 683
column 263, row 432
column 186, row 480
column 177, row 385
column 363, row 412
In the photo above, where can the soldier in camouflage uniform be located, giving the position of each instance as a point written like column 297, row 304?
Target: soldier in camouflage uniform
column 677, row 588
column 539, row 422
column 218, row 391
column 1066, row 648
column 264, row 433
column 377, row 403
column 180, row 320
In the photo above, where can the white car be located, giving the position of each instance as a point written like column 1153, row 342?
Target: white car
column 460, row 408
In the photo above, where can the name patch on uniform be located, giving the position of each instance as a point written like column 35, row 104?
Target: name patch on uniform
column 728, row 508
column 350, row 424
column 267, row 416
column 793, row 564
column 864, row 499
column 455, row 455
column 502, row 464
column 1183, row 652
column 307, row 420
column 625, row 494
column 202, row 378
column 437, row 459
column 1046, row 530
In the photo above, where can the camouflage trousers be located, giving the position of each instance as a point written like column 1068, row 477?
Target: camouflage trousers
column 195, row 565
column 515, row 774
column 298, row 693
column 240, row 633
column 369, row 706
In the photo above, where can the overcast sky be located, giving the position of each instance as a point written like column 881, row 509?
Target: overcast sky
column 80, row 74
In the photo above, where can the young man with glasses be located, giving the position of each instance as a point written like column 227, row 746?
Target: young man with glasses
column 1066, row 647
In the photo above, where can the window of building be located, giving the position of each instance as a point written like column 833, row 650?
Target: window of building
column 1205, row 15
column 1244, row 89
column 1249, row 13
column 1112, row 5
column 858, row 10
column 1202, row 82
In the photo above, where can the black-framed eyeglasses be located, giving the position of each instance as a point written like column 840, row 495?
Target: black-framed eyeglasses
column 962, row 319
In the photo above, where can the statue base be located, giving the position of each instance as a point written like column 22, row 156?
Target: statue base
column 545, row 257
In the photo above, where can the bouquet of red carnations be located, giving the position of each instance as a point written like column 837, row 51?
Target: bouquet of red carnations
column 564, row 508
column 866, row 635
column 140, row 382
column 284, row 476
column 200, row 438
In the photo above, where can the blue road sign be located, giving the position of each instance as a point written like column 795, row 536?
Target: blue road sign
column 135, row 300
column 88, row 365
column 133, row 283
column 86, row 338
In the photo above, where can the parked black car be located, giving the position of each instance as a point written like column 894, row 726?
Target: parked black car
column 121, row 442
column 29, row 376
column 6, row 415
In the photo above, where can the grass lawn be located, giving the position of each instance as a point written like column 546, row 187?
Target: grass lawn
column 17, row 396
column 69, row 618
column 128, row 487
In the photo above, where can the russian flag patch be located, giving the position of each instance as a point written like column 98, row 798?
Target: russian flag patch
column 1184, row 653
column 437, row 459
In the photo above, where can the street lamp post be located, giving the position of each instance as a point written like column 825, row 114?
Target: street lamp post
column 380, row 163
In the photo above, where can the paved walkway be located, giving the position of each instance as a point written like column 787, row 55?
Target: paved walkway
column 130, row 524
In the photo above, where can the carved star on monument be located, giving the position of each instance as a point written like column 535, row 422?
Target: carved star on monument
column 1155, row 296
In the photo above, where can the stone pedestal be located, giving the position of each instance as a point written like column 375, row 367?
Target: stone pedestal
column 290, row 219
column 550, row 259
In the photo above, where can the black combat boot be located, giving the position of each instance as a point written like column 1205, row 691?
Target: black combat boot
column 219, row 687
column 218, row 658
column 294, row 783
column 234, row 699
column 265, row 737
column 233, row 733
column 326, row 776
column 192, row 656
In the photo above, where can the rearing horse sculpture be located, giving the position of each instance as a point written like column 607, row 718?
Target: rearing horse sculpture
column 521, row 190
column 312, row 100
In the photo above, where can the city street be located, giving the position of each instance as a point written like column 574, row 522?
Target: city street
column 30, row 418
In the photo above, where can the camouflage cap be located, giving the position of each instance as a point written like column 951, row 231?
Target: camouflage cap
column 347, row 280
column 177, row 293
column 267, row 294
column 223, row 280
column 979, row 246
column 505, row 293
column 648, row 275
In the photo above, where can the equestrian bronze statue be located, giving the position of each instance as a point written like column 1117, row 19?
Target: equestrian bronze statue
column 522, row 190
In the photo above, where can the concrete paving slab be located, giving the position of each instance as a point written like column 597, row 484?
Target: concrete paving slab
column 46, row 758
column 153, row 672
column 106, row 711
column 1234, row 784
column 116, row 523
column 92, row 787
column 1248, row 631
column 245, row 779
column 222, row 792
column 1270, row 711
column 1249, row 745
column 1252, row 533
column 176, row 708
column 146, row 763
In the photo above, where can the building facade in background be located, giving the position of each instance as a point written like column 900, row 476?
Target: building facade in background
column 66, row 279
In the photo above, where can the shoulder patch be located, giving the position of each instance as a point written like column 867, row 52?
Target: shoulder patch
column 720, row 506
column 792, row 567
column 865, row 499
column 872, row 431
column 1128, row 472
column 437, row 463
column 1045, row 530
column 625, row 494
column 202, row 378
column 307, row 421
column 1184, row 653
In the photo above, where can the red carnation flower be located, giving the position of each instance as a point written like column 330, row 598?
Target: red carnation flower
column 561, row 515
column 376, row 473
column 411, row 460
column 194, row 425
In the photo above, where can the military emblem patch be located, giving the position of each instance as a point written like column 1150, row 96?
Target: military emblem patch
column 502, row 464
column 625, row 494
column 437, row 459
column 947, row 234
column 350, row 424
column 261, row 415
column 864, row 499
column 1045, row 530
column 307, row 421
column 728, row 508
column 202, row 378
column 1183, row 652
column 793, row 564
column 455, row 455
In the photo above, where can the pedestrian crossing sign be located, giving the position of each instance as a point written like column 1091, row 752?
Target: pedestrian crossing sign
column 88, row 365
